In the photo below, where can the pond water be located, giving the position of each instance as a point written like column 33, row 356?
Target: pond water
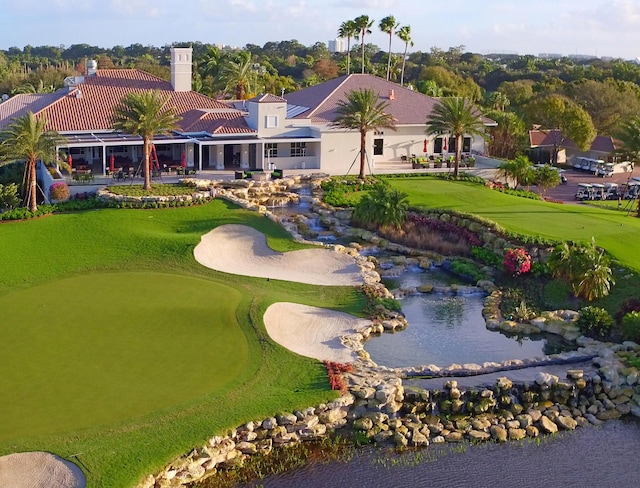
column 604, row 456
column 445, row 329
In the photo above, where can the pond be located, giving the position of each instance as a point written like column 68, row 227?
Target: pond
column 445, row 329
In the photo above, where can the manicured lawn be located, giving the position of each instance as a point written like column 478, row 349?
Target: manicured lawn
column 119, row 347
column 618, row 233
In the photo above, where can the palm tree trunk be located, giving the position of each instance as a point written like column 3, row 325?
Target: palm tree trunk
column 389, row 59
column 363, row 53
column 145, row 171
column 456, row 164
column 348, row 55
column 31, row 194
column 404, row 60
column 363, row 149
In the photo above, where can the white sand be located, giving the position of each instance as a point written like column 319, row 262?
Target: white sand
column 242, row 250
column 39, row 470
column 311, row 331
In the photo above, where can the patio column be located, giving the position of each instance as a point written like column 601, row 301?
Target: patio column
column 219, row 155
column 244, row 156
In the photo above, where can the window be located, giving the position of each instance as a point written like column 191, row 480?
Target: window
column 378, row 147
column 271, row 121
column 298, row 149
column 466, row 145
column 270, row 150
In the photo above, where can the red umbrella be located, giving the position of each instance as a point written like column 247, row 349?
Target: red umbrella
column 112, row 163
column 70, row 162
column 424, row 147
column 444, row 144
column 183, row 160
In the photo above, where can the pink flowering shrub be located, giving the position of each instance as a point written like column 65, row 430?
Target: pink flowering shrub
column 59, row 191
column 517, row 261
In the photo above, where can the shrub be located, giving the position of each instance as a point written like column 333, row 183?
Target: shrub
column 59, row 191
column 517, row 261
column 631, row 327
column 389, row 303
column 9, row 196
column 594, row 322
column 486, row 256
column 629, row 305
column 467, row 270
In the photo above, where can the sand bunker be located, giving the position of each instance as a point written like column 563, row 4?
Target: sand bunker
column 312, row 332
column 39, row 470
column 242, row 250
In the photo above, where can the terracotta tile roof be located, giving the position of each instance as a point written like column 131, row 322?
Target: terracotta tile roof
column 215, row 122
column 409, row 107
column 89, row 105
column 18, row 105
column 268, row 98
column 547, row 138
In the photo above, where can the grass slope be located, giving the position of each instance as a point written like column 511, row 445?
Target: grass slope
column 145, row 258
column 618, row 233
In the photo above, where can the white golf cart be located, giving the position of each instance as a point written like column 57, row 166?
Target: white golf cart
column 584, row 191
column 598, row 191
column 611, row 191
column 605, row 169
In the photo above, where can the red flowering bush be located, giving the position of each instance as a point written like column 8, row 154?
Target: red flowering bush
column 59, row 191
column 335, row 370
column 517, row 261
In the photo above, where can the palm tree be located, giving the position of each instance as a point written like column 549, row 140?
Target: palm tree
column 382, row 206
column 388, row 25
column 364, row 27
column 145, row 114
column 456, row 116
column 237, row 73
column 348, row 29
column 404, row 33
column 630, row 136
column 519, row 170
column 362, row 111
column 26, row 138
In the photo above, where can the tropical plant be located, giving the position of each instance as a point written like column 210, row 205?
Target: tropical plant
column 388, row 26
column 519, row 170
column 382, row 206
column 456, row 116
column 364, row 27
column 585, row 268
column 348, row 29
column 594, row 322
column 8, row 196
column 361, row 111
column 26, row 138
column 145, row 114
column 404, row 33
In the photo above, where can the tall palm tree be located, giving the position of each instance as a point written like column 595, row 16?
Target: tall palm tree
column 361, row 111
column 456, row 116
column 26, row 138
column 237, row 73
column 404, row 33
column 364, row 27
column 388, row 26
column 347, row 30
column 145, row 114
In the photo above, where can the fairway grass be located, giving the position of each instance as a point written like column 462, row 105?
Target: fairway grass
column 120, row 349
column 618, row 233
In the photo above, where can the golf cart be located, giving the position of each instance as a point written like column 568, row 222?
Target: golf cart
column 584, row 191
column 631, row 192
column 611, row 191
column 605, row 169
column 598, row 191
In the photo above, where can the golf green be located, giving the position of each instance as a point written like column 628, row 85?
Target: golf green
column 103, row 348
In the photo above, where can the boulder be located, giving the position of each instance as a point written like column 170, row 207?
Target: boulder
column 566, row 422
column 547, row 425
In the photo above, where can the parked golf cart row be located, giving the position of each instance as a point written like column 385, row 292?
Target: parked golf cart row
column 608, row 191
column 596, row 166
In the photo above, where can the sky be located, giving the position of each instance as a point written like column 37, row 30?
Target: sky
column 603, row 28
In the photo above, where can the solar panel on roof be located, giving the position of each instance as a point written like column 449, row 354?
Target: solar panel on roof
column 295, row 110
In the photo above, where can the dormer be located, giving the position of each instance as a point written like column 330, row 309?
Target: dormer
column 266, row 114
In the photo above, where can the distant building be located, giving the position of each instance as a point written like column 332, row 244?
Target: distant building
column 337, row 46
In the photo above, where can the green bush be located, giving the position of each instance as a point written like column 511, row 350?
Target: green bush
column 467, row 269
column 23, row 213
column 631, row 327
column 390, row 304
column 486, row 256
column 595, row 322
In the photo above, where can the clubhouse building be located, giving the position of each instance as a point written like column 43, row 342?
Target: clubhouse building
column 286, row 132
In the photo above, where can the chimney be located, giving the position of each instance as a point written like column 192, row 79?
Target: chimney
column 181, row 65
column 92, row 67
column 392, row 95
